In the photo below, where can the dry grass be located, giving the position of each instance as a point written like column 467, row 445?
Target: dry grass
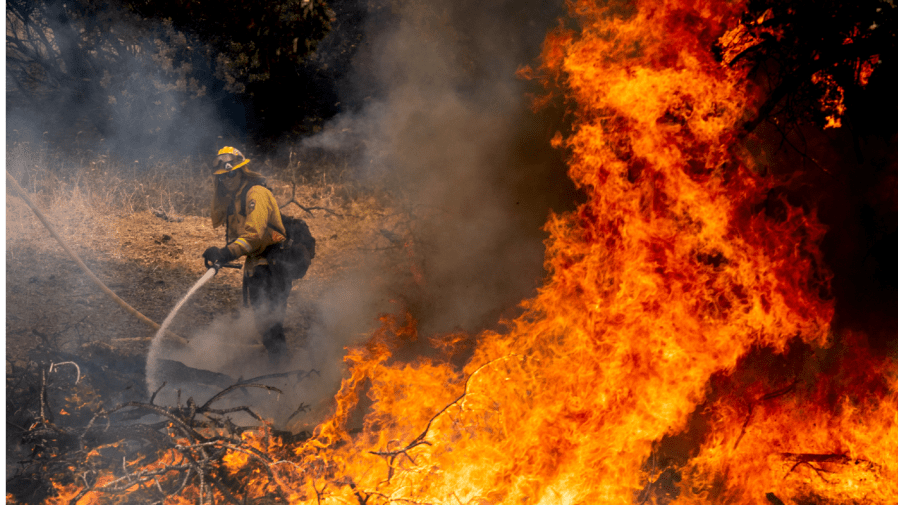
column 109, row 214
column 80, row 193
column 170, row 186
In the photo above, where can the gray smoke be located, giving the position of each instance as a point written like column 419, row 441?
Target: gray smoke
column 433, row 111
column 228, row 351
column 438, row 115
column 110, row 83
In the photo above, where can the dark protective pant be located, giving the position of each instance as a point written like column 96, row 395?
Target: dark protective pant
column 267, row 290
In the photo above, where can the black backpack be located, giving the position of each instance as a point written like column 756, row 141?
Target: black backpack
column 295, row 253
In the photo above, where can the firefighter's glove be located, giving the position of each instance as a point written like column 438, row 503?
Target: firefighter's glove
column 217, row 256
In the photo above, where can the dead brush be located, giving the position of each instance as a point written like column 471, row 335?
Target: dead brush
column 86, row 195
column 175, row 188
column 93, row 184
column 73, row 207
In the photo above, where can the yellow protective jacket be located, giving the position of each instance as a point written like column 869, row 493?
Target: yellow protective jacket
column 253, row 229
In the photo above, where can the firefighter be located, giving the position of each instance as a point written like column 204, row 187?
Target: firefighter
column 245, row 206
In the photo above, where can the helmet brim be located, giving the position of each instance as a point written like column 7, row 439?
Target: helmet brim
column 223, row 169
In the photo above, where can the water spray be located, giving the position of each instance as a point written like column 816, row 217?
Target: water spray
column 153, row 356
column 156, row 343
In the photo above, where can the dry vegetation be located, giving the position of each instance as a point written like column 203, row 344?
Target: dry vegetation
column 142, row 230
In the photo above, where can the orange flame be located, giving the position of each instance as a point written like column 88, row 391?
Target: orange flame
column 680, row 262
column 831, row 443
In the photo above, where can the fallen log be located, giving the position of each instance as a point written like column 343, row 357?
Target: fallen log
column 176, row 372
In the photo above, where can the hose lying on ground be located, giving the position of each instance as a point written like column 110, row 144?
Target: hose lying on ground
column 169, row 335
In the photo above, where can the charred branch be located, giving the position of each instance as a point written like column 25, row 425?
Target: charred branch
column 769, row 396
column 295, row 374
column 392, row 456
column 816, row 461
column 137, row 448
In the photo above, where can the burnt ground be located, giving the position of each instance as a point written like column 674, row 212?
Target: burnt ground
column 151, row 259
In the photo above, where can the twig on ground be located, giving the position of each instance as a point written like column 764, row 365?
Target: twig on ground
column 77, row 368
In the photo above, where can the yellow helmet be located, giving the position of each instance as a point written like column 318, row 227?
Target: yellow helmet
column 227, row 160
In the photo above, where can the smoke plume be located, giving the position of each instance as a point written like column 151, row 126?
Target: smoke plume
column 436, row 113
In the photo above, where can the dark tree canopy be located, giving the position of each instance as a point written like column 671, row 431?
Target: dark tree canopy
column 132, row 69
column 261, row 39
column 140, row 72
column 262, row 45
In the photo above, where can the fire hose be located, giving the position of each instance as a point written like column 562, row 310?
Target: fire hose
column 40, row 215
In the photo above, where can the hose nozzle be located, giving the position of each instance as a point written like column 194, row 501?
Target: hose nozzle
column 218, row 265
column 210, row 265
